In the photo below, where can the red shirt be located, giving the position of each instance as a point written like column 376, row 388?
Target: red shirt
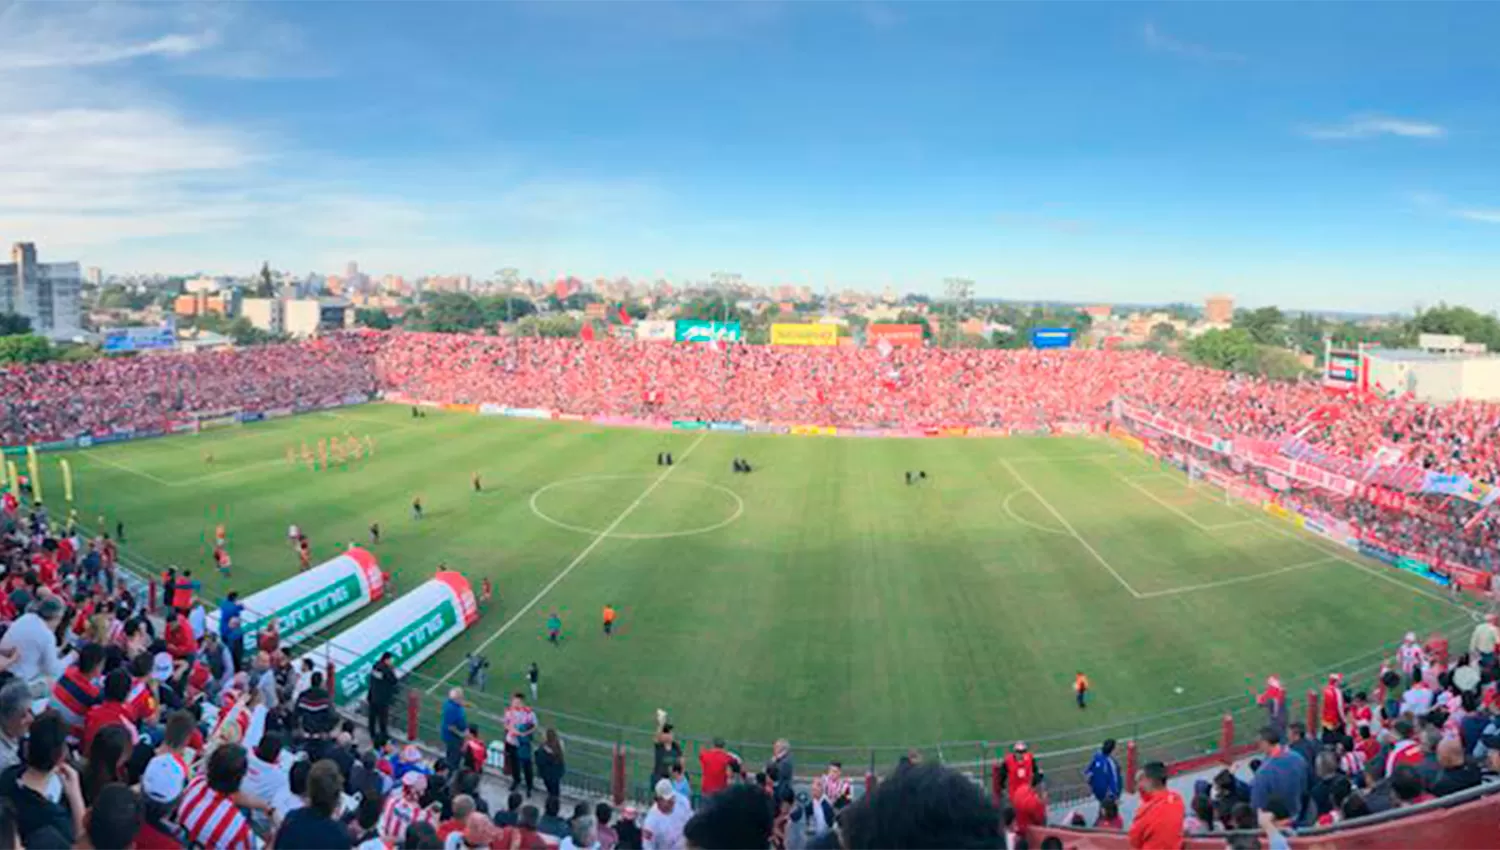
column 151, row 838
column 715, row 765
column 1020, row 771
column 180, row 640
column 1158, row 821
column 142, row 702
column 1030, row 810
column 106, row 714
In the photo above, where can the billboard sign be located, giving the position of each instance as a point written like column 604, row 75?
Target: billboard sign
column 895, row 335
column 1051, row 337
column 655, row 331
column 162, row 338
column 697, row 330
column 819, row 334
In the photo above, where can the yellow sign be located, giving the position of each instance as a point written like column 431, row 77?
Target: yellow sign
column 814, row 430
column 819, row 334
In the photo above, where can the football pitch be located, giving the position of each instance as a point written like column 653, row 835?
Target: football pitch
column 819, row 598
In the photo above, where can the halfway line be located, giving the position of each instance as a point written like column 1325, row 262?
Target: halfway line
column 599, row 538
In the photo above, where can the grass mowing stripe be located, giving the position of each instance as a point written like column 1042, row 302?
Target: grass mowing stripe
column 572, row 565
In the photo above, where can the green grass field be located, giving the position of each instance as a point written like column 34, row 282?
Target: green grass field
column 819, row 598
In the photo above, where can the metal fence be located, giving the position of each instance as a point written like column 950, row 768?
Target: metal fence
column 607, row 759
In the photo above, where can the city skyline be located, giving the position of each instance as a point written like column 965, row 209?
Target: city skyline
column 1314, row 157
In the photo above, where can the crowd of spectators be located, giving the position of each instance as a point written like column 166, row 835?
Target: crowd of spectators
column 57, row 401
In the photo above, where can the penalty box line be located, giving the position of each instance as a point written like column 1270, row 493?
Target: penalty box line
column 572, row 565
column 1063, row 521
column 1239, row 579
column 1196, row 523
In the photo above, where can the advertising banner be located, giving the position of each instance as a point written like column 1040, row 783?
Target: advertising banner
column 182, row 427
column 488, row 409
column 1468, row 578
column 570, row 417
column 688, row 425
column 698, row 330
column 411, row 628
column 218, row 422
column 159, row 338
column 1420, row 568
column 525, row 413
column 1051, row 337
column 818, row 334
column 814, row 430
column 894, row 335
column 252, row 416
column 308, row 602
column 461, row 408
column 726, row 426
column 1371, row 549
column 1277, row 511
column 653, row 330
column 278, row 412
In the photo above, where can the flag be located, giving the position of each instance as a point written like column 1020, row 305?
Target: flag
column 586, row 333
column 624, row 316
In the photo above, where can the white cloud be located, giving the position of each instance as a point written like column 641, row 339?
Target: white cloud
column 1160, row 41
column 1487, row 216
column 1372, row 126
column 63, row 54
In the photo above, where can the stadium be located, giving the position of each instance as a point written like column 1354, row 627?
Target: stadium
column 883, row 555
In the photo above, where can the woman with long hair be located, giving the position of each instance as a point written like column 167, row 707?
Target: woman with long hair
column 109, row 753
column 549, row 762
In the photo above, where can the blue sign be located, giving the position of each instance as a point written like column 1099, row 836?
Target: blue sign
column 1051, row 337
column 140, row 339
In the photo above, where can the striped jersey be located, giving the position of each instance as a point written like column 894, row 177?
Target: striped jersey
column 212, row 820
column 401, row 812
column 73, row 695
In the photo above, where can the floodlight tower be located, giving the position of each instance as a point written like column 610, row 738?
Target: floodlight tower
column 959, row 293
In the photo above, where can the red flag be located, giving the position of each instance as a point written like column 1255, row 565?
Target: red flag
column 624, row 316
column 587, row 332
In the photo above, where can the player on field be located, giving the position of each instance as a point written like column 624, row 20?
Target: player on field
column 486, row 591
column 304, row 554
column 1081, row 689
column 474, row 479
column 609, row 620
column 554, row 629
column 221, row 559
column 534, row 679
column 416, row 507
column 374, row 533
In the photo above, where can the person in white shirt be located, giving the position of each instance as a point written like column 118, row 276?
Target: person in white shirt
column 34, row 637
column 1417, row 700
column 666, row 819
column 198, row 621
column 268, row 774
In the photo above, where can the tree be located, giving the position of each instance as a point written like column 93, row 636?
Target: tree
column 1163, row 332
column 912, row 317
column 1461, row 321
column 504, row 308
column 78, row 353
column 451, row 312
column 1232, row 350
column 552, row 326
column 370, row 318
column 264, row 288
column 12, row 324
column 1266, row 325
column 24, row 348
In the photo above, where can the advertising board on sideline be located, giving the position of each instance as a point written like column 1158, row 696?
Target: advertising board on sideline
column 818, row 334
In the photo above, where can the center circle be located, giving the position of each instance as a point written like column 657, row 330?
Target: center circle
column 739, row 507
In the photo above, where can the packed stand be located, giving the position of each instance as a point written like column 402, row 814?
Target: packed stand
column 58, row 401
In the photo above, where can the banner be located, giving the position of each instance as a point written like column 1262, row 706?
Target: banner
column 182, row 427
column 653, row 330
column 218, row 422
column 160, row 338
column 570, row 417
column 525, row 413
column 818, row 334
column 1372, row 549
column 278, row 413
column 461, row 408
column 488, row 409
column 688, row 425
column 895, row 335
column 1468, row 578
column 1051, row 337
column 252, row 416
column 814, row 430
column 411, row 628
column 697, row 330
column 309, row 602
column 726, row 426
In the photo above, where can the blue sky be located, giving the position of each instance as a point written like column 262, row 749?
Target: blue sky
column 1323, row 156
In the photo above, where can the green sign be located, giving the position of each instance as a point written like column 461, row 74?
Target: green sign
column 688, row 425
column 406, row 643
column 697, row 330
column 304, row 615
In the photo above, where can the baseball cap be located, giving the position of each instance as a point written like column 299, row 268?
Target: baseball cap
column 1020, row 746
column 664, row 790
column 164, row 779
column 161, row 667
column 414, row 779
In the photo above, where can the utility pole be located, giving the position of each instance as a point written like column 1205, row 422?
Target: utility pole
column 508, row 277
column 959, row 292
column 724, row 282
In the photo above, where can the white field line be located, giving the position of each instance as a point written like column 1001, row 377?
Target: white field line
column 1310, row 542
column 183, row 482
column 370, row 419
column 1237, row 580
column 1024, row 521
column 1200, row 525
column 1063, row 521
column 572, row 565
column 1061, row 458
